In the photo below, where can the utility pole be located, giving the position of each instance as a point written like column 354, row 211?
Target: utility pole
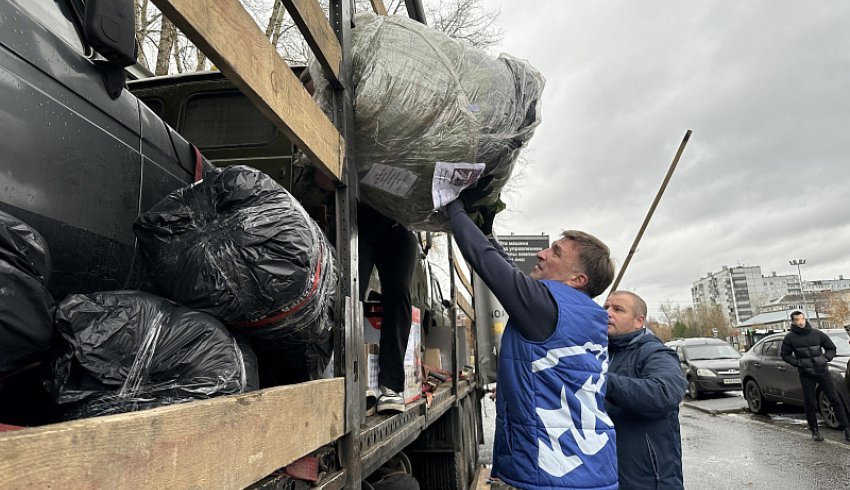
column 798, row 263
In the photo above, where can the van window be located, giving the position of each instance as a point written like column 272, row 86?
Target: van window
column 56, row 16
column 155, row 105
column 216, row 120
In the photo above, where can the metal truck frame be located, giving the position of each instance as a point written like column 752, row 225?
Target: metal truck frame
column 244, row 440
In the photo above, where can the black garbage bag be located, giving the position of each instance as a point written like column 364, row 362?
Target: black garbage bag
column 238, row 246
column 128, row 350
column 26, row 307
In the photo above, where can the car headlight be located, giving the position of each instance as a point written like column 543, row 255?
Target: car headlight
column 706, row 373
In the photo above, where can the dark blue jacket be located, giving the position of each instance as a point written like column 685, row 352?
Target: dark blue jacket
column 645, row 387
column 551, row 428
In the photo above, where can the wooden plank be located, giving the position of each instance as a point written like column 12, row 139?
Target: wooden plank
column 227, row 442
column 311, row 20
column 230, row 38
column 466, row 307
column 378, row 7
column 462, row 276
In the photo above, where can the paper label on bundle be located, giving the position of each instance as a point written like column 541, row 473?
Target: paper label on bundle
column 451, row 178
column 396, row 181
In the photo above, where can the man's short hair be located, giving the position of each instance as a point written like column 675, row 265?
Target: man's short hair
column 795, row 313
column 637, row 301
column 595, row 258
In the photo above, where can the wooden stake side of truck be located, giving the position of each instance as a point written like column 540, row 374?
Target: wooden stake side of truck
column 244, row 440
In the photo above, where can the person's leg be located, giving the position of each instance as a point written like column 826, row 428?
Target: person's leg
column 368, row 240
column 828, row 389
column 809, row 384
column 395, row 263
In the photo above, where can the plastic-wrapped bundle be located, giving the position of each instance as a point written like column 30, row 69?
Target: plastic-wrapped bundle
column 237, row 245
column 128, row 350
column 423, row 98
column 26, row 306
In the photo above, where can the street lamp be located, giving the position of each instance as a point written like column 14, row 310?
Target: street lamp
column 798, row 263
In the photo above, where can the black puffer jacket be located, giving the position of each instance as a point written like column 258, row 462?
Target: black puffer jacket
column 808, row 349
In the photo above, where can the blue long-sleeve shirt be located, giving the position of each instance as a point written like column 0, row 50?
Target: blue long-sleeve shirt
column 527, row 301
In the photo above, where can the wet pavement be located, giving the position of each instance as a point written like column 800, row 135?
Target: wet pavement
column 725, row 447
column 743, row 451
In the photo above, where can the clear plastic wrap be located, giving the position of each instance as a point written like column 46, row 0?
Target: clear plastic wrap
column 26, row 306
column 422, row 98
column 128, row 350
column 238, row 246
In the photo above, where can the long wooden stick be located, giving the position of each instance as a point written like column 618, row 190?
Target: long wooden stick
column 652, row 209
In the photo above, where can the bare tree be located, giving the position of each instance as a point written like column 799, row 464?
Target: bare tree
column 143, row 23
column 670, row 311
column 661, row 330
column 167, row 42
column 467, row 20
column 701, row 321
column 838, row 309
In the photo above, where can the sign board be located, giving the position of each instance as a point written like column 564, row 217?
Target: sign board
column 523, row 249
column 491, row 315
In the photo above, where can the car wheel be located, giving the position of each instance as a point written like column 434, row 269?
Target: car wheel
column 693, row 389
column 755, row 398
column 827, row 411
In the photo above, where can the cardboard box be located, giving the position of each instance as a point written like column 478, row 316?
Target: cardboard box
column 434, row 358
column 370, row 358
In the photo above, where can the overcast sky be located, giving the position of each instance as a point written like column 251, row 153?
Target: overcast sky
column 765, row 87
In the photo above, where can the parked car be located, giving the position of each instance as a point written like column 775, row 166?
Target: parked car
column 710, row 365
column 768, row 379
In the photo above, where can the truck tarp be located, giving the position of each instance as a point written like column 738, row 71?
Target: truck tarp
column 424, row 98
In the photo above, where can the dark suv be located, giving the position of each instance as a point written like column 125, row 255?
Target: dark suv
column 710, row 365
column 80, row 156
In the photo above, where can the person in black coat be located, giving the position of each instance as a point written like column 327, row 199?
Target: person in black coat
column 645, row 387
column 810, row 351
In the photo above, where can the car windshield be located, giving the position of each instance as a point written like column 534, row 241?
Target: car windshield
column 711, row 351
column 842, row 343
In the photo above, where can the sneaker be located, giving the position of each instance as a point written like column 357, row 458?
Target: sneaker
column 816, row 436
column 389, row 400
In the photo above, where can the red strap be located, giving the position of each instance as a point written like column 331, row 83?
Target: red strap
column 199, row 164
column 286, row 312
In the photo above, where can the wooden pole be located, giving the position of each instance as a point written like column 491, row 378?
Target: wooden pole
column 670, row 171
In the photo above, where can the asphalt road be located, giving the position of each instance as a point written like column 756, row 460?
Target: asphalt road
column 724, row 447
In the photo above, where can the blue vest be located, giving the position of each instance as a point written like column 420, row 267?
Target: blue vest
column 551, row 427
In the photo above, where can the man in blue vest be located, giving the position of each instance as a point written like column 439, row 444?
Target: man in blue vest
column 645, row 387
column 551, row 427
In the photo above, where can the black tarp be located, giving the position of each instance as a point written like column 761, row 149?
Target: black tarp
column 129, row 350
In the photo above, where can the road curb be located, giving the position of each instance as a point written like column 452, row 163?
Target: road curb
column 714, row 411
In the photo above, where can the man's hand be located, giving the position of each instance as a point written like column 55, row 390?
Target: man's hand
column 476, row 193
column 480, row 205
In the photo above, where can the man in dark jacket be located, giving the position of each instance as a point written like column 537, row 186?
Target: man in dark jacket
column 645, row 387
column 810, row 351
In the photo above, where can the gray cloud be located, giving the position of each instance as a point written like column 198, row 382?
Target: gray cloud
column 764, row 85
